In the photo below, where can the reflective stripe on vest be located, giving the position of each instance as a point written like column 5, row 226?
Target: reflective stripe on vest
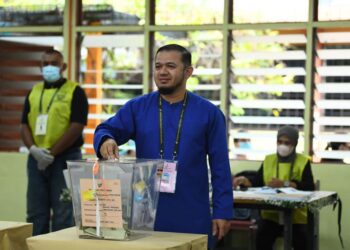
column 270, row 171
column 58, row 114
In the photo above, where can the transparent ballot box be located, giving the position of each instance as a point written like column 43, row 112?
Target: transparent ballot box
column 113, row 198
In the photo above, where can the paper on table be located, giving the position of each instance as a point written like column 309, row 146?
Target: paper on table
column 290, row 190
column 263, row 190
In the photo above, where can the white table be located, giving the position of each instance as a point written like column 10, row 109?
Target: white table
column 286, row 203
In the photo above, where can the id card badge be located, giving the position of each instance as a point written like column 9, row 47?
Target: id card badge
column 41, row 124
column 168, row 179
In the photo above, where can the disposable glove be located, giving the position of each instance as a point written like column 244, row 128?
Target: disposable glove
column 43, row 157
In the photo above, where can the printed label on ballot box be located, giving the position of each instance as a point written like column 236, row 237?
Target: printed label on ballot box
column 102, row 203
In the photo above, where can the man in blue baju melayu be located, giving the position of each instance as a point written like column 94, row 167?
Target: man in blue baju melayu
column 185, row 130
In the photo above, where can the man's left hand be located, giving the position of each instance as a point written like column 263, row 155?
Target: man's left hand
column 220, row 228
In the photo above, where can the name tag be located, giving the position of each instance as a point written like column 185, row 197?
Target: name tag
column 41, row 124
column 168, row 178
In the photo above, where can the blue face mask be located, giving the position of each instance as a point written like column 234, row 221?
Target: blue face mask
column 51, row 73
column 244, row 145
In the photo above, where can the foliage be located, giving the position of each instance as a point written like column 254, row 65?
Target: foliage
column 134, row 7
column 118, row 65
column 21, row 3
column 251, row 64
column 189, row 12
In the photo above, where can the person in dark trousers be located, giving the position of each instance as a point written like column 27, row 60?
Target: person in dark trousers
column 54, row 115
column 285, row 168
column 185, row 130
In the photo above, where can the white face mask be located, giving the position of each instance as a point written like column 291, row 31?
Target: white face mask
column 284, row 150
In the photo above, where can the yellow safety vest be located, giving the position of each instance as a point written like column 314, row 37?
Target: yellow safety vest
column 58, row 114
column 299, row 216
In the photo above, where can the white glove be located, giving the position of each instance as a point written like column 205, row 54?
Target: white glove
column 42, row 155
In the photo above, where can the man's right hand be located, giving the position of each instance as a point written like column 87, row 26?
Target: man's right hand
column 109, row 149
column 42, row 156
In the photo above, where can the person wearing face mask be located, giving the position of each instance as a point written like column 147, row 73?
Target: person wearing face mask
column 54, row 115
column 285, row 168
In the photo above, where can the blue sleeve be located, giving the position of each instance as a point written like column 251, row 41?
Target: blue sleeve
column 220, row 167
column 120, row 127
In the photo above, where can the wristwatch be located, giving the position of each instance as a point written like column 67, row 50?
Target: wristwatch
column 286, row 183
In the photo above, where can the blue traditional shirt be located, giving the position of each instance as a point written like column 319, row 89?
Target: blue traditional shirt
column 203, row 134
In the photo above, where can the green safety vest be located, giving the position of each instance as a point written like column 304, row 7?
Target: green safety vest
column 299, row 216
column 58, row 114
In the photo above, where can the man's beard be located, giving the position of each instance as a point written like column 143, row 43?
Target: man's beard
column 170, row 90
column 167, row 90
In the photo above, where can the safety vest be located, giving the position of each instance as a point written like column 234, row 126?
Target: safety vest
column 299, row 216
column 58, row 114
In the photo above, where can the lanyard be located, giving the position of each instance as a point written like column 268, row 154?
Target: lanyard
column 179, row 126
column 51, row 101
